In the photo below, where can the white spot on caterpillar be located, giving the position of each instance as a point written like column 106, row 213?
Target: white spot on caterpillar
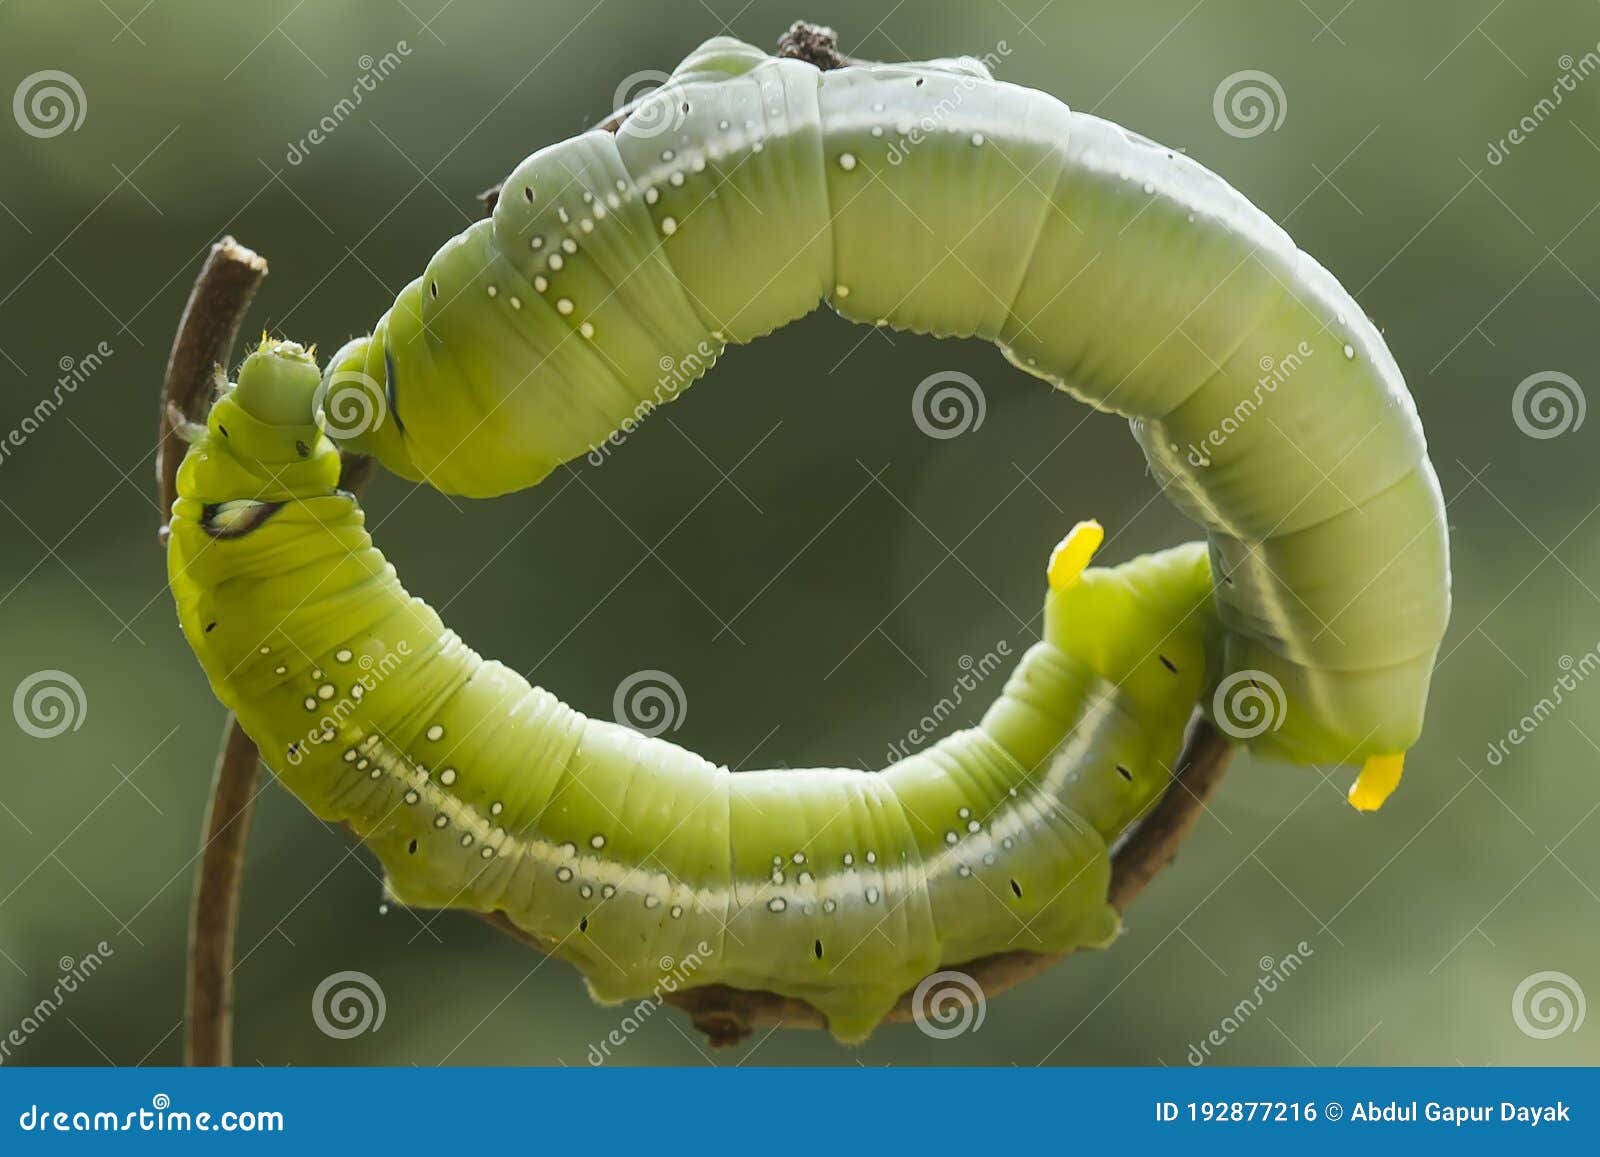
column 587, row 225
column 280, row 669
column 613, row 200
column 872, row 857
column 556, row 261
column 586, row 329
column 872, row 895
column 487, row 853
column 777, row 904
column 973, row 825
column 803, row 878
column 540, row 283
column 652, row 902
column 494, row 291
column 363, row 764
column 607, row 891
column 569, row 245
column 950, row 837
column 1349, row 351
column 597, row 842
column 265, row 650
column 447, row 776
column 963, row 871
column 411, row 797
column 316, row 672
column 441, row 820
column 599, row 211
column 562, row 213
column 466, row 839
column 964, row 812
column 564, row 305
column 757, row 146
column 343, row 656
column 698, row 165
column 537, row 243
column 325, row 691
column 564, row 875
column 350, row 756
column 669, row 225
column 988, row 857
column 676, row 911
column 651, row 196
column 375, row 773
column 877, row 130
column 799, row 857
column 841, row 291
column 496, row 808
column 666, row 154
column 585, row 890
column 847, row 161
column 311, row 703
column 777, row 875
column 829, row 905
column 435, row 733
column 977, row 138
column 516, row 302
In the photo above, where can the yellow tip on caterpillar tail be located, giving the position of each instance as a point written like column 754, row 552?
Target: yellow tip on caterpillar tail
column 1073, row 553
column 1380, row 775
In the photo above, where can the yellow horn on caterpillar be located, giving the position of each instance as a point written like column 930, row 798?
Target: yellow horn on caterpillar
column 1072, row 554
column 1380, row 775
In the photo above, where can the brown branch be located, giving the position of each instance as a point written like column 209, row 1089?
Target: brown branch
column 726, row 1015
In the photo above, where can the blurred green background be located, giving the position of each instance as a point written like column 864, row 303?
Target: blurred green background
column 1419, row 922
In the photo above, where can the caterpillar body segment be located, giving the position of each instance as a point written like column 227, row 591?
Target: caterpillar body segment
column 930, row 197
column 619, row 851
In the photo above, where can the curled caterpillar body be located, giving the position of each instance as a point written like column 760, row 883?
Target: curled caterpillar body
column 931, row 198
column 619, row 851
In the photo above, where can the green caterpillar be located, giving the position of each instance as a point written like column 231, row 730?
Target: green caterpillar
column 924, row 196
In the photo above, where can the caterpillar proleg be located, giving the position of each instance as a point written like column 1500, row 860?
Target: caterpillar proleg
column 927, row 197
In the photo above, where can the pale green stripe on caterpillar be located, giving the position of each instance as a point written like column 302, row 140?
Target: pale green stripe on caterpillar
column 930, row 197
column 477, row 791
